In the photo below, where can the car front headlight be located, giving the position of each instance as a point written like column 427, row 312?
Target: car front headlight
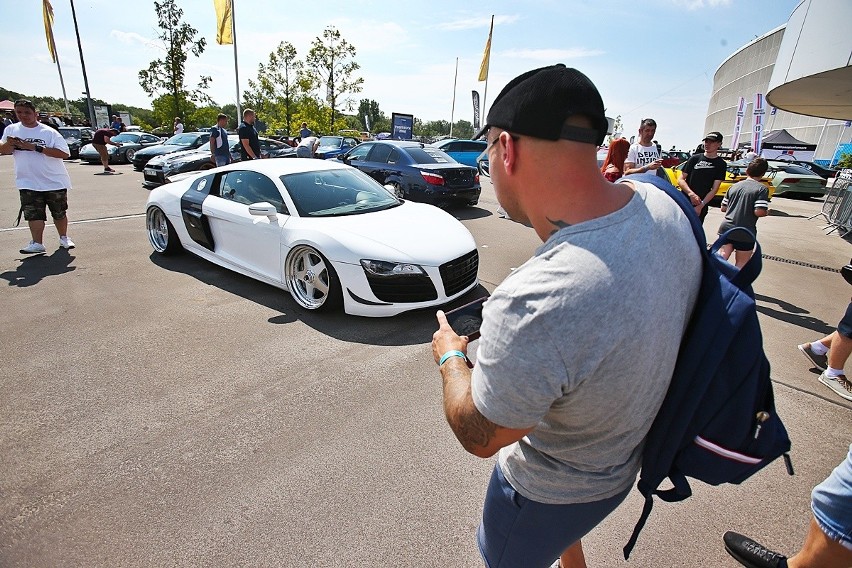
column 384, row 268
column 112, row 149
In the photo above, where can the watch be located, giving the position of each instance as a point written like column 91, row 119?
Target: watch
column 39, row 149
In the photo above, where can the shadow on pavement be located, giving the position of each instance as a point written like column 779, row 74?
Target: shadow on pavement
column 411, row 328
column 777, row 213
column 468, row 213
column 33, row 269
column 792, row 314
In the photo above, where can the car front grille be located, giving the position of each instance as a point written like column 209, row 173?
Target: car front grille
column 154, row 174
column 460, row 273
column 402, row 289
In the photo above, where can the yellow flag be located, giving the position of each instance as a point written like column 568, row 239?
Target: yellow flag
column 47, row 10
column 486, row 57
column 224, row 22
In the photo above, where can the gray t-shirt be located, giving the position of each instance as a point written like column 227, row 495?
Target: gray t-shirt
column 741, row 200
column 580, row 342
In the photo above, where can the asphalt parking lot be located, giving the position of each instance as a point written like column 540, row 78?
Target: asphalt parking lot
column 170, row 413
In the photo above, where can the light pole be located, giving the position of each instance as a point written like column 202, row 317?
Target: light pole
column 89, row 106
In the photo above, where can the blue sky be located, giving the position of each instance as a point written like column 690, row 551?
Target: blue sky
column 654, row 58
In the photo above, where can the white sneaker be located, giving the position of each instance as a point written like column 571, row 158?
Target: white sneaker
column 33, row 248
column 65, row 243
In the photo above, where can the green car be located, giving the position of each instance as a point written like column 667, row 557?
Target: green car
column 790, row 179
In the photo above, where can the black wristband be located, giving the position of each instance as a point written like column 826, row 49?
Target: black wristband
column 39, row 149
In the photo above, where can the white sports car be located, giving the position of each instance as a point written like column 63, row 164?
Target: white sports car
column 325, row 231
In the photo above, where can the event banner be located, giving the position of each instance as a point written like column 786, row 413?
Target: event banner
column 475, row 96
column 738, row 123
column 757, row 130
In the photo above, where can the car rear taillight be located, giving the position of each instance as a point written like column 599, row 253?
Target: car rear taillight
column 476, row 178
column 434, row 179
column 790, row 180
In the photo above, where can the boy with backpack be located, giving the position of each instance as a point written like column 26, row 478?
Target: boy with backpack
column 744, row 204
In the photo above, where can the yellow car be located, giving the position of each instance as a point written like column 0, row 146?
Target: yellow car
column 735, row 172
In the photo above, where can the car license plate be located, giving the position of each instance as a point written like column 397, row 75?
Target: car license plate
column 150, row 172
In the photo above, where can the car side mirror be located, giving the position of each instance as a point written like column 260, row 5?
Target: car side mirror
column 263, row 209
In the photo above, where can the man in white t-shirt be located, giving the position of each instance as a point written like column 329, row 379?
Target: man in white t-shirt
column 644, row 155
column 40, row 175
column 307, row 148
column 178, row 125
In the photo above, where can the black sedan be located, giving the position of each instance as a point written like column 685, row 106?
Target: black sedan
column 417, row 172
column 822, row 171
column 76, row 137
column 177, row 143
column 158, row 170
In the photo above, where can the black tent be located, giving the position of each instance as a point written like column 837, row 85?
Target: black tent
column 781, row 145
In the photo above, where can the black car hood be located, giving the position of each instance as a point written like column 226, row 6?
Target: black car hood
column 161, row 149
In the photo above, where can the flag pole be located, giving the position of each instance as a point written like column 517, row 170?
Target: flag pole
column 485, row 93
column 47, row 10
column 89, row 106
column 236, row 66
column 453, row 111
column 62, row 82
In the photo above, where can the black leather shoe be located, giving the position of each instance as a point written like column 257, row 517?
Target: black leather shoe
column 752, row 554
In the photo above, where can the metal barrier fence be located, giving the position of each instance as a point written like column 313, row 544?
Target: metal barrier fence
column 837, row 207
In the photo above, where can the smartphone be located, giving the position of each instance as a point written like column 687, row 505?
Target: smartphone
column 467, row 319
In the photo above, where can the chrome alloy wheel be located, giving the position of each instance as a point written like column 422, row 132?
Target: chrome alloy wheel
column 309, row 277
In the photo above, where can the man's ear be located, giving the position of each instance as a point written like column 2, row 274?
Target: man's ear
column 508, row 152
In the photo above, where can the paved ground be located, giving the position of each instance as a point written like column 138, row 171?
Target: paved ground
column 170, row 413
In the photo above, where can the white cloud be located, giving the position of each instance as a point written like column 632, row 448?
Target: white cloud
column 477, row 22
column 551, row 54
column 131, row 38
column 699, row 4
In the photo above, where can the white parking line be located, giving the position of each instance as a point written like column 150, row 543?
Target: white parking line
column 117, row 218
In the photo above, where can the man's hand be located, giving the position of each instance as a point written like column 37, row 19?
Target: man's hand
column 655, row 164
column 445, row 339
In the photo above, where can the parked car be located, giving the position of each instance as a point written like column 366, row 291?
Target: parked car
column 417, row 172
column 790, row 179
column 324, row 231
column 673, row 158
column 76, row 137
column 822, row 171
column 333, row 146
column 159, row 169
column 131, row 144
column 463, row 151
column 178, row 142
column 735, row 172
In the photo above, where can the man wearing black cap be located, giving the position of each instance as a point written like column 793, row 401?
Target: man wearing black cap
column 703, row 174
column 578, row 345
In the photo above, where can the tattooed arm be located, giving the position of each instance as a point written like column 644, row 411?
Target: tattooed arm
column 477, row 434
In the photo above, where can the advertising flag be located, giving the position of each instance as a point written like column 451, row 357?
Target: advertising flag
column 224, row 22
column 486, row 57
column 47, row 12
column 738, row 123
column 475, row 96
column 757, row 130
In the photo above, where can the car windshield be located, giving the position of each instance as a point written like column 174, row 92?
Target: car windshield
column 330, row 141
column 428, row 155
column 125, row 137
column 182, row 139
column 70, row 133
column 332, row 193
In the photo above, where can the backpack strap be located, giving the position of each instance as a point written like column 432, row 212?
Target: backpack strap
column 677, row 197
column 680, row 491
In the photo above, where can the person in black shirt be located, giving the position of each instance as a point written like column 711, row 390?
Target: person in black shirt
column 703, row 174
column 249, row 142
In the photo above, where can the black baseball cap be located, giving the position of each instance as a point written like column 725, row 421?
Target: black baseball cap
column 537, row 103
column 713, row 137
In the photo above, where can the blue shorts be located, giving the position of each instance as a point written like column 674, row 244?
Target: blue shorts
column 844, row 328
column 222, row 160
column 831, row 502
column 519, row 532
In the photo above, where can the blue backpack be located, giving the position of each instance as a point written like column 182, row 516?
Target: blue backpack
column 718, row 422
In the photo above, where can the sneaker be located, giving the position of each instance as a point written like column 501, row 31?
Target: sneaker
column 819, row 361
column 752, row 554
column 33, row 248
column 66, row 243
column 109, row 171
column 839, row 384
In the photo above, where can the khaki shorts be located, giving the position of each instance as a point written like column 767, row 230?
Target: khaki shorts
column 33, row 204
column 102, row 152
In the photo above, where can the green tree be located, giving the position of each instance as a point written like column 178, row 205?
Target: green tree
column 370, row 109
column 844, row 162
column 331, row 58
column 167, row 76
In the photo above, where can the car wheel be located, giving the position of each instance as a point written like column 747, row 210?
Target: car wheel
column 128, row 156
column 311, row 279
column 161, row 233
column 397, row 189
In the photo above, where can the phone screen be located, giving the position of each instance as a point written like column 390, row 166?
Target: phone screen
column 467, row 319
